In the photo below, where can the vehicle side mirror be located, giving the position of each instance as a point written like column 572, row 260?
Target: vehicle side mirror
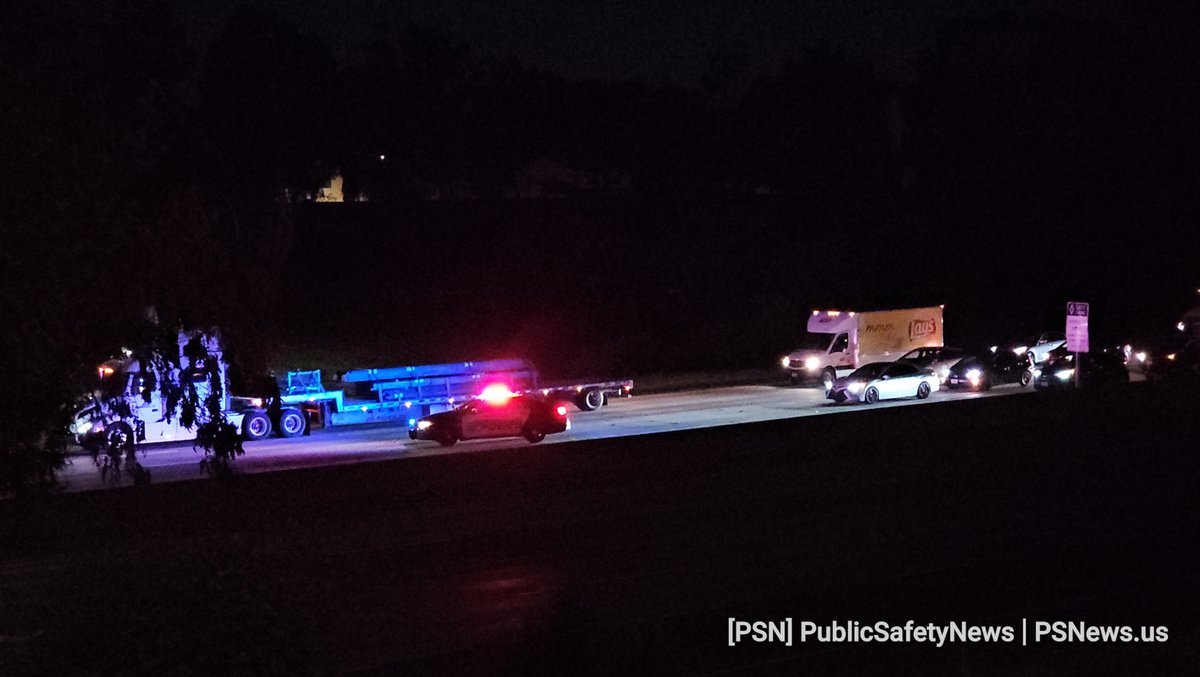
column 885, row 377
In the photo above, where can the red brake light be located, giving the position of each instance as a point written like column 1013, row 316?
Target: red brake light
column 560, row 410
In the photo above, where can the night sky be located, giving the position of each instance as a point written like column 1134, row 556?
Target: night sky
column 652, row 41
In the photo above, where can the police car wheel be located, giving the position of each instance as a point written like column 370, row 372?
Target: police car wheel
column 534, row 436
column 447, row 439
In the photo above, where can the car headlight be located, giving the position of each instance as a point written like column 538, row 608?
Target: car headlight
column 82, row 427
column 424, row 425
column 1065, row 374
column 812, row 363
column 1036, row 372
column 1141, row 356
column 855, row 386
column 786, row 361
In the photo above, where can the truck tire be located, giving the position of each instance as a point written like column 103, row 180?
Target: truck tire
column 828, row 376
column 119, row 436
column 590, row 399
column 292, row 423
column 256, row 426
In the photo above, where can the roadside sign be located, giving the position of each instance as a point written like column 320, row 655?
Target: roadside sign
column 1077, row 327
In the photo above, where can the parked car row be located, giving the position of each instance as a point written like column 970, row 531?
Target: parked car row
column 921, row 372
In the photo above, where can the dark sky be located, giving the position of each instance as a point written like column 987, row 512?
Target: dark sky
column 646, row 39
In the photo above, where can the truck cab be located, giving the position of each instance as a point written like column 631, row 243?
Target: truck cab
column 819, row 356
column 129, row 407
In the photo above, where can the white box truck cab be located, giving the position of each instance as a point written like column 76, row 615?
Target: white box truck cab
column 838, row 342
column 129, row 407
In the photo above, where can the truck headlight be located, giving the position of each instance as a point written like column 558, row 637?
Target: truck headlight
column 424, row 425
column 786, row 361
column 812, row 363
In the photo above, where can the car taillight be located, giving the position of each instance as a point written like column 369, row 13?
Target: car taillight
column 561, row 410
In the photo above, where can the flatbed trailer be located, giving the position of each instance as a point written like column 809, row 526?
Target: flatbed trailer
column 405, row 394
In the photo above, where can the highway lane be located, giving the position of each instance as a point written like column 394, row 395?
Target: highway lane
column 639, row 415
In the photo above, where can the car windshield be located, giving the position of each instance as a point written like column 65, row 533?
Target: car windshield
column 870, row 371
column 114, row 385
column 969, row 362
column 814, row 341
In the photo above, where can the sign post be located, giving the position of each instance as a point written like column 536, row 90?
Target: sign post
column 1077, row 333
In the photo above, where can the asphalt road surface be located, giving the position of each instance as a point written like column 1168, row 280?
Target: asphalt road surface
column 628, row 555
column 639, row 415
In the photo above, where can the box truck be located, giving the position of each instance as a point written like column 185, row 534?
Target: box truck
column 838, row 342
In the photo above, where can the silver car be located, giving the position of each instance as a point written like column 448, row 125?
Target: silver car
column 884, row 381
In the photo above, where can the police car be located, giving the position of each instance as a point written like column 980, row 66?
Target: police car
column 497, row 412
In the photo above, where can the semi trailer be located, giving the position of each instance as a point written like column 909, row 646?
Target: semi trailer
column 130, row 407
column 408, row 393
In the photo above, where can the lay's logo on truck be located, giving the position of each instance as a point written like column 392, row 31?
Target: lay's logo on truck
column 920, row 329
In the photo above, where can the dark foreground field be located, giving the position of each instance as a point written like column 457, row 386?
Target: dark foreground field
column 628, row 555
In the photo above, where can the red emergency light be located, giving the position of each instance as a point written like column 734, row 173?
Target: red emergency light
column 497, row 393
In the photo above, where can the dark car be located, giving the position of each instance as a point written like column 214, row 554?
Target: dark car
column 495, row 413
column 1099, row 368
column 935, row 358
column 987, row 369
column 1173, row 361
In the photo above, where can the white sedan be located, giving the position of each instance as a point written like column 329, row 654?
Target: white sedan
column 884, row 381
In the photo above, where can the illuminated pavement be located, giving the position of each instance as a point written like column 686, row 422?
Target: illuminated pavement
column 639, row 415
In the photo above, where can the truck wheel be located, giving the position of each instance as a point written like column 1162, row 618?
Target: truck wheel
column 828, row 376
column 292, row 423
column 871, row 396
column 590, row 399
column 119, row 436
column 534, row 436
column 256, row 426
